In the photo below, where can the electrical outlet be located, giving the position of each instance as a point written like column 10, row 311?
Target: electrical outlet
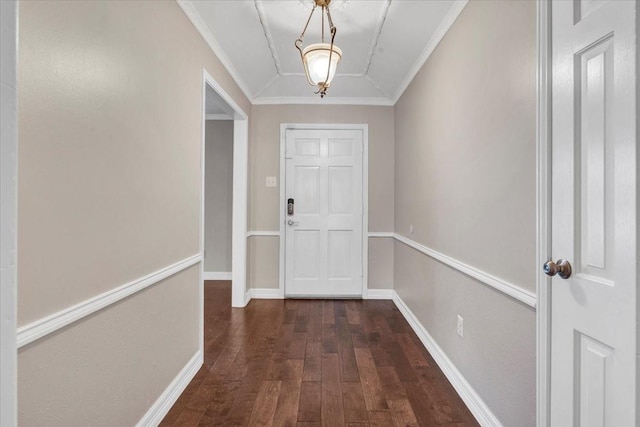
column 460, row 329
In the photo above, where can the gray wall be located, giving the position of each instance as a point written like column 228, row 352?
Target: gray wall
column 218, row 197
column 465, row 179
column 109, row 178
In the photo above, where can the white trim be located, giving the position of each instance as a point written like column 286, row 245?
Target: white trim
column 381, row 234
column 51, row 323
column 239, row 211
column 201, row 26
column 263, row 233
column 8, row 218
column 365, row 194
column 264, row 293
column 170, row 395
column 327, row 100
column 365, row 210
column 216, row 275
column 380, row 294
column 514, row 291
column 240, row 193
column 469, row 396
column 222, row 116
column 543, row 212
column 447, row 22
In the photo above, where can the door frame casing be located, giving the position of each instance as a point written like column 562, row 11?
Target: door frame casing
column 543, row 210
column 239, row 208
column 365, row 195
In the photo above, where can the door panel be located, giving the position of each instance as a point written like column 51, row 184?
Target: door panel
column 323, row 238
column 593, row 312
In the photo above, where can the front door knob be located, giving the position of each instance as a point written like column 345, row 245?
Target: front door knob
column 562, row 268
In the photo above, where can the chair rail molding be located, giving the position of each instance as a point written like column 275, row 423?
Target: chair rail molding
column 51, row 323
column 514, row 291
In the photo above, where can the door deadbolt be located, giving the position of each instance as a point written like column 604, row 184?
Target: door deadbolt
column 562, row 268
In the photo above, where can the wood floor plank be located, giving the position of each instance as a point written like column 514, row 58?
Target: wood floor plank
column 314, row 362
column 371, row 387
column 444, row 402
column 393, row 388
column 355, row 408
column 348, row 366
column 314, row 332
column 302, row 321
column 419, row 404
column 298, row 345
column 264, row 409
column 353, row 313
column 310, row 407
column 328, row 315
column 380, row 419
column 284, row 338
column 402, row 413
column 276, row 366
column 332, row 406
column 290, row 315
column 403, row 368
column 329, row 339
column 220, row 403
column 358, row 336
column 289, row 398
column 184, row 398
column 411, row 350
column 188, row 417
column 339, row 308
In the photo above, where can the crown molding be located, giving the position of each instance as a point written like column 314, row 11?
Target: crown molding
column 192, row 13
column 323, row 101
column 448, row 21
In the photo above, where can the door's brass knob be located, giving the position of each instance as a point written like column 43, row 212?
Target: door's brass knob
column 562, row 268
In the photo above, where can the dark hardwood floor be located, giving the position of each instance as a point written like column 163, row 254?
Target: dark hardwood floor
column 314, row 363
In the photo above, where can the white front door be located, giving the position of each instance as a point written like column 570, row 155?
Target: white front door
column 594, row 222
column 323, row 238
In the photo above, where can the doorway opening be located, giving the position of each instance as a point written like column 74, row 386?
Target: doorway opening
column 218, row 106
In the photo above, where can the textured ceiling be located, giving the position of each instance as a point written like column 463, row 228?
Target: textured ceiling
column 384, row 44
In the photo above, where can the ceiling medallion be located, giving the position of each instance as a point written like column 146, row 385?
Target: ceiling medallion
column 320, row 60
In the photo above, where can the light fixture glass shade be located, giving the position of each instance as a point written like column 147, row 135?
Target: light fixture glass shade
column 316, row 62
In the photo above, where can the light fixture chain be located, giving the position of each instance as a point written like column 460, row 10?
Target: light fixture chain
column 307, row 24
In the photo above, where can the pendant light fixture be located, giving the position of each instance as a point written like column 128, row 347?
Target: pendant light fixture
column 320, row 59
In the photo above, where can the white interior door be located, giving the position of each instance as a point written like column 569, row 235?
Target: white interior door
column 323, row 238
column 593, row 312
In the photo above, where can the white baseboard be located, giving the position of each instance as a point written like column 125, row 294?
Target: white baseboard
column 379, row 294
column 474, row 402
column 264, row 293
column 161, row 406
column 216, row 275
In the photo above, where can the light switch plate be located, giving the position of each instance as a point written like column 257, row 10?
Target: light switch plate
column 271, row 181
